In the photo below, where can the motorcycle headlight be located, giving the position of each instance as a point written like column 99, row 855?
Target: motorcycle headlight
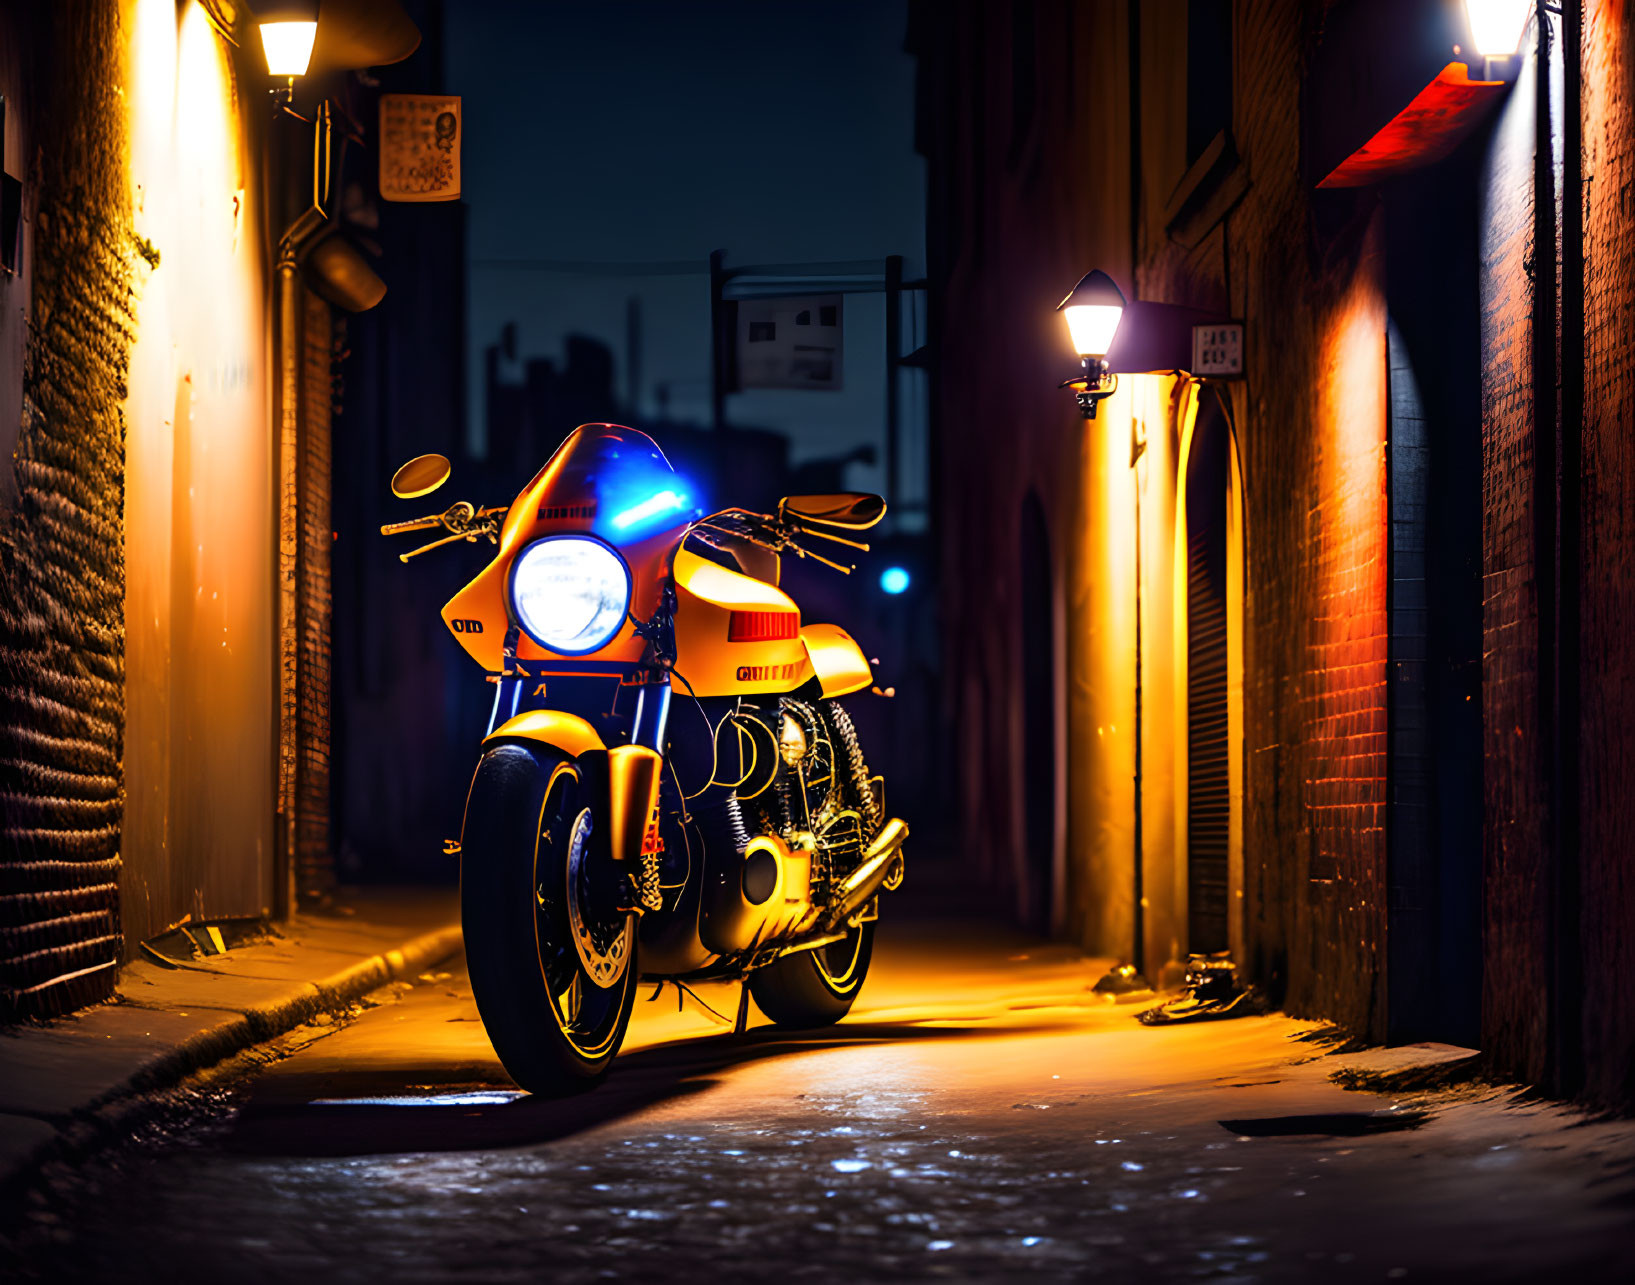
column 570, row 593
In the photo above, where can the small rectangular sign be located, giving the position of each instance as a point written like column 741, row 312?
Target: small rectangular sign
column 419, row 147
column 790, row 343
column 1217, row 349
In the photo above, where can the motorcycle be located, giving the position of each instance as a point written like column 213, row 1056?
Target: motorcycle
column 668, row 789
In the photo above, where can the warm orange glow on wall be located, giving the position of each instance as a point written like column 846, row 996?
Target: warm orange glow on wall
column 1100, row 664
column 1345, row 699
column 199, row 557
column 1102, row 660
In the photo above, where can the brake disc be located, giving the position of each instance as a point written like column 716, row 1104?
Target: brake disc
column 603, row 947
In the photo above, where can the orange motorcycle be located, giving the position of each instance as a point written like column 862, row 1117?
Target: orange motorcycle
column 668, row 789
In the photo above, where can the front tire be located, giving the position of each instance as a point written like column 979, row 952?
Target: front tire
column 552, row 962
column 815, row 987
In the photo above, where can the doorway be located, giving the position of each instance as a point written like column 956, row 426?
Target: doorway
column 1209, row 794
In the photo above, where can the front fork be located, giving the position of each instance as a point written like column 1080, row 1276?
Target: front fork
column 631, row 786
column 633, row 770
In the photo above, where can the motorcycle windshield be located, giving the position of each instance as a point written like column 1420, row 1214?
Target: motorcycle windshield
column 613, row 482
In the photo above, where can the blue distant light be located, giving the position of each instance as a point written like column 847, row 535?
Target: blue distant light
column 895, row 579
column 663, row 502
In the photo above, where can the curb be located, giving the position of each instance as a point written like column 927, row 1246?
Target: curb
column 118, row 1113
column 265, row 1022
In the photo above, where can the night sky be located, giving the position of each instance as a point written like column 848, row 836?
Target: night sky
column 632, row 132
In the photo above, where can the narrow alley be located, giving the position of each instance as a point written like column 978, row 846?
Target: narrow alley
column 981, row 1115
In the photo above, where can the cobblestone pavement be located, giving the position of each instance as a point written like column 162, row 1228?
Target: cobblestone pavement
column 982, row 1115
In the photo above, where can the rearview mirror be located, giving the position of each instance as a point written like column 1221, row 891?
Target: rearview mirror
column 850, row 510
column 420, row 476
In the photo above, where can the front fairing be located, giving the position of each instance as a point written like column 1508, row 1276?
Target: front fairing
column 605, row 481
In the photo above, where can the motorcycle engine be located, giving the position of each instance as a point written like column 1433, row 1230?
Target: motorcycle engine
column 816, row 791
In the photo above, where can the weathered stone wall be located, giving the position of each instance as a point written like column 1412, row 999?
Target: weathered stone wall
column 62, row 548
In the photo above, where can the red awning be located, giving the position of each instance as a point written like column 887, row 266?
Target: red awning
column 1426, row 130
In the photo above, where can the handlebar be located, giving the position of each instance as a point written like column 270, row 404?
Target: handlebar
column 413, row 524
column 463, row 521
column 774, row 534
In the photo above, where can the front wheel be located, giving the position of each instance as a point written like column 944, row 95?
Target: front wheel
column 815, row 987
column 552, row 960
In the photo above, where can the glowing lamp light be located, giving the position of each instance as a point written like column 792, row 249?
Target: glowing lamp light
column 1093, row 309
column 288, row 46
column 288, row 30
column 895, row 580
column 1496, row 25
column 663, row 502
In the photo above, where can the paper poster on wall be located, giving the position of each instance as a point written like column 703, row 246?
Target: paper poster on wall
column 419, row 147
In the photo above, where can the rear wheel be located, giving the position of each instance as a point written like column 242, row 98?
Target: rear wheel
column 815, row 987
column 552, row 960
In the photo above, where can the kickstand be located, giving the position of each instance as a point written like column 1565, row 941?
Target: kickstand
column 742, row 1024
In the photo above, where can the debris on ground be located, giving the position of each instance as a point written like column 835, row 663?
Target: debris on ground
column 1212, row 993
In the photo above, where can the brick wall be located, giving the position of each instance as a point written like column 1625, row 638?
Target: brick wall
column 61, row 549
column 1306, row 272
column 314, row 864
column 1607, row 736
column 1343, row 721
column 1516, row 837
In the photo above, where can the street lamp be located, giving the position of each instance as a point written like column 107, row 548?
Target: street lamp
column 1092, row 310
column 288, row 29
column 1496, row 25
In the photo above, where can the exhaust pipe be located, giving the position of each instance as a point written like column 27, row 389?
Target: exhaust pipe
column 879, row 859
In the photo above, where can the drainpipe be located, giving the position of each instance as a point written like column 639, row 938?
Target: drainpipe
column 288, row 362
column 288, row 550
column 1567, row 1051
column 1138, row 957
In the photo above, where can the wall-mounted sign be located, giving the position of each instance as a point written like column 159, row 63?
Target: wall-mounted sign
column 419, row 147
column 790, row 343
column 1217, row 349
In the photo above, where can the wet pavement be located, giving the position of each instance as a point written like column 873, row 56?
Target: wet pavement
column 982, row 1115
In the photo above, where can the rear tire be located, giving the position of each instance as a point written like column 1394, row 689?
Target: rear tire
column 538, row 920
column 815, row 987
